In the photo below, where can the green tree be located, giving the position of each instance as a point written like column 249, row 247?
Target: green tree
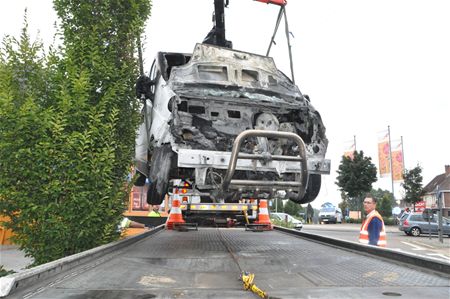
column 380, row 193
column 67, row 127
column 384, row 206
column 293, row 208
column 413, row 185
column 356, row 176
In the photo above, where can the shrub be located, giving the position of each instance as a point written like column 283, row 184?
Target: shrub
column 67, row 128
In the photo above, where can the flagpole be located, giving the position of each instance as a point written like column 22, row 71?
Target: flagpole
column 354, row 141
column 390, row 160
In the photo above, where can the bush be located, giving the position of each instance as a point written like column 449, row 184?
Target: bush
column 353, row 220
column 390, row 221
column 282, row 223
column 4, row 272
column 68, row 121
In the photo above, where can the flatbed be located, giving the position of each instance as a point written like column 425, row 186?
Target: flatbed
column 207, row 264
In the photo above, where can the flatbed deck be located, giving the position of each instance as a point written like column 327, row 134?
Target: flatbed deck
column 207, row 263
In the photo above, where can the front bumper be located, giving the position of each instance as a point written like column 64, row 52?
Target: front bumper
column 328, row 219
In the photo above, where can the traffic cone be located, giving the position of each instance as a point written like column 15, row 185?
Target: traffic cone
column 263, row 215
column 175, row 215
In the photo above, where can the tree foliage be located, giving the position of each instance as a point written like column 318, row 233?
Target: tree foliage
column 293, row 208
column 380, row 193
column 384, row 206
column 412, row 183
column 67, row 127
column 356, row 176
column 386, row 201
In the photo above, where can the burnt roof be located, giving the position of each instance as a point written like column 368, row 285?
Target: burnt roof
column 442, row 180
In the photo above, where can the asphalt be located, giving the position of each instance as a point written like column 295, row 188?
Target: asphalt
column 12, row 258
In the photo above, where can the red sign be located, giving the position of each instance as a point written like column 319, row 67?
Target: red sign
column 420, row 206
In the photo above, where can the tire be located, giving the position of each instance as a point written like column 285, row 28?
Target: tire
column 159, row 174
column 140, row 182
column 415, row 231
column 154, row 194
column 314, row 183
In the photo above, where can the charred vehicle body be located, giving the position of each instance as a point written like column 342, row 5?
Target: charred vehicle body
column 229, row 124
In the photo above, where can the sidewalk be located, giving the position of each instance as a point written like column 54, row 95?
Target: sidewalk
column 11, row 258
column 421, row 241
column 346, row 227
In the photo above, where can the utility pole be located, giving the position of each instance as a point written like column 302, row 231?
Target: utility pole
column 439, row 202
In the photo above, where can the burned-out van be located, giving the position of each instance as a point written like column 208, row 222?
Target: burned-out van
column 230, row 125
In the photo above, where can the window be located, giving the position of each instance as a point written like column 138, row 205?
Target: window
column 416, row 218
column 249, row 76
column 196, row 109
column 234, row 114
column 213, row 73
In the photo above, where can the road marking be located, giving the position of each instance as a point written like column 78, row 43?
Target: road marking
column 415, row 246
column 439, row 255
column 426, row 245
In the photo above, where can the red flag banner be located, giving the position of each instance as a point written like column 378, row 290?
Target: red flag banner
column 397, row 160
column 383, row 154
column 350, row 149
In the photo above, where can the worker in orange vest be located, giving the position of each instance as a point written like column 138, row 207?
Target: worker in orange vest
column 372, row 229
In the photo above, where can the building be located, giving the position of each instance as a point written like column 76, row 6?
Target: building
column 441, row 183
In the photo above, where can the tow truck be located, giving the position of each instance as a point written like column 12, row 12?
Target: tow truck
column 228, row 263
column 227, row 127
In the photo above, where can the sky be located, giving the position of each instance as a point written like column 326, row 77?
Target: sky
column 366, row 65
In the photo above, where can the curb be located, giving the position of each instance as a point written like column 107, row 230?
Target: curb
column 403, row 257
column 22, row 280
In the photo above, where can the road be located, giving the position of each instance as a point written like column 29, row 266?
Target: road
column 396, row 240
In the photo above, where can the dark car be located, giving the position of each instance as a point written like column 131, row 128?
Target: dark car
column 413, row 224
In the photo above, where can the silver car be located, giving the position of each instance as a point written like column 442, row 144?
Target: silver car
column 413, row 224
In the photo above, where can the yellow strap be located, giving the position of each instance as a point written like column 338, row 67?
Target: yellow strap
column 246, row 217
column 247, row 279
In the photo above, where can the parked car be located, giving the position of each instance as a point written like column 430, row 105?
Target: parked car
column 298, row 225
column 329, row 214
column 413, row 224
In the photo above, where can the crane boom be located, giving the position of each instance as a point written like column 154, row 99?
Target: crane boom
column 276, row 2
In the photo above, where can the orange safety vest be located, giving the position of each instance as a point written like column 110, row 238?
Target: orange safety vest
column 364, row 233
